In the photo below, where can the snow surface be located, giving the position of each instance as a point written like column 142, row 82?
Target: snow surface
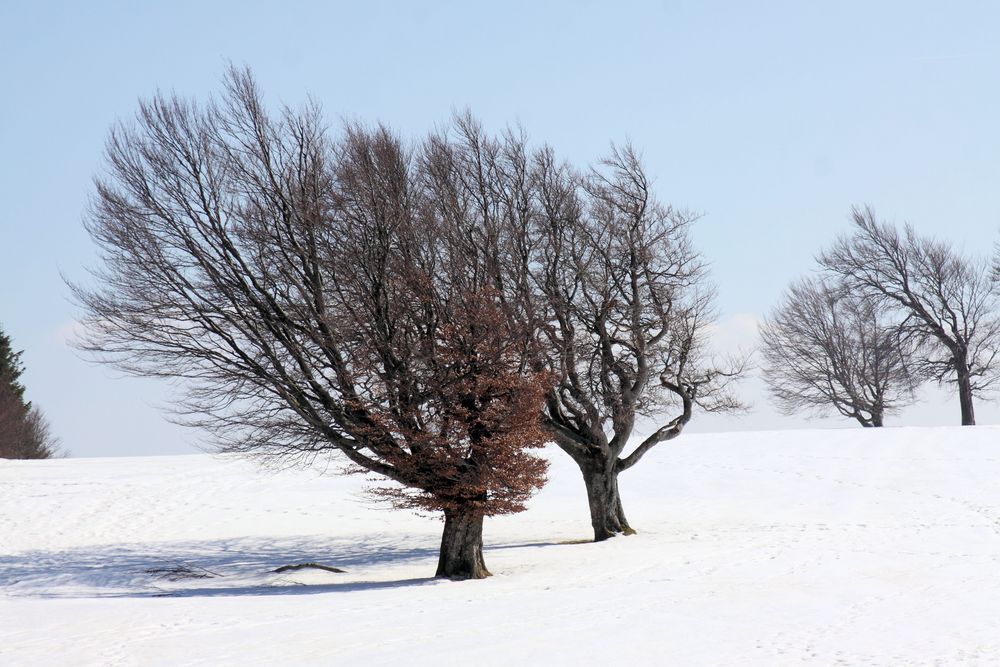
column 839, row 547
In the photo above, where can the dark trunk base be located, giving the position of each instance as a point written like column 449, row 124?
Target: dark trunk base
column 606, row 513
column 874, row 422
column 965, row 402
column 461, row 554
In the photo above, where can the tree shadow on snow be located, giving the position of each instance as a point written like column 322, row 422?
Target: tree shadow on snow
column 236, row 567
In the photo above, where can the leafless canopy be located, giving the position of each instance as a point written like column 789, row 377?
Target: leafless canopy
column 615, row 299
column 826, row 347
column 24, row 430
column 631, row 303
column 312, row 295
column 625, row 306
column 945, row 300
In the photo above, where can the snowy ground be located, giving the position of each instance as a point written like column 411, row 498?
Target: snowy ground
column 820, row 547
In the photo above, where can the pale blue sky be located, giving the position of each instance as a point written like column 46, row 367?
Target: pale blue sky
column 770, row 118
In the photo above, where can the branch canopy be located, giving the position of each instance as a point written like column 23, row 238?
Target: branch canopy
column 310, row 296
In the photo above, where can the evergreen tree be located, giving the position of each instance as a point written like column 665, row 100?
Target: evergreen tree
column 11, row 368
column 24, row 431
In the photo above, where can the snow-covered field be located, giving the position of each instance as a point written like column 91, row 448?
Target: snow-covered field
column 771, row 548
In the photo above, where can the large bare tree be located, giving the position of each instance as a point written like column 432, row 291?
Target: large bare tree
column 945, row 299
column 616, row 299
column 312, row 299
column 828, row 347
column 626, row 307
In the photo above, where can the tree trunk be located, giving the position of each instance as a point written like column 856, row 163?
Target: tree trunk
column 461, row 554
column 606, row 513
column 965, row 397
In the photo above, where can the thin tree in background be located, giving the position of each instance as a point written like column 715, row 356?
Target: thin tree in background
column 946, row 301
column 829, row 348
column 313, row 299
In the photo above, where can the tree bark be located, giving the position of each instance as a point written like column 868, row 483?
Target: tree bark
column 461, row 554
column 606, row 513
column 965, row 397
column 874, row 421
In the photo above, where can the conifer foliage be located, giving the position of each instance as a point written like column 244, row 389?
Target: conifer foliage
column 24, row 431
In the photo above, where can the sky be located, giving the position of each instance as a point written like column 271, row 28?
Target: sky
column 770, row 119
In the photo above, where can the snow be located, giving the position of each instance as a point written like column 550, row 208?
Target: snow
column 832, row 547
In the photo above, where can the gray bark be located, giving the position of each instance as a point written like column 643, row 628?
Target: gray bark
column 607, row 516
column 461, row 555
column 965, row 395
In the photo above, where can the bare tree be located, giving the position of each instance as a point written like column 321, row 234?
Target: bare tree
column 625, row 309
column 614, row 297
column 24, row 431
column 947, row 304
column 312, row 300
column 39, row 441
column 826, row 347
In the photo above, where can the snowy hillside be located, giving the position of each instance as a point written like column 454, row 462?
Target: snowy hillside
column 821, row 547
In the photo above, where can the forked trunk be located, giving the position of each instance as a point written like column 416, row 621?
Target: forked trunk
column 461, row 554
column 868, row 422
column 606, row 513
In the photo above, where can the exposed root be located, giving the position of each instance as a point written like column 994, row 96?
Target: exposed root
column 302, row 566
column 178, row 570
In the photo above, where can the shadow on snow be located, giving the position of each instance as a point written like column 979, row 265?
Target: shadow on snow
column 234, row 567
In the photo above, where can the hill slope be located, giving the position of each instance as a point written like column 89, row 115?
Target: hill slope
column 769, row 548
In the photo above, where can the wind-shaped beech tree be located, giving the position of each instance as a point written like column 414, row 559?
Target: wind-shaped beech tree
column 615, row 297
column 626, row 308
column 828, row 347
column 313, row 298
column 946, row 301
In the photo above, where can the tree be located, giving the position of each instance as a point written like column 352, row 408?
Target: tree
column 24, row 431
column 11, row 368
column 312, row 299
column 615, row 298
column 13, row 423
column 828, row 347
column 625, row 308
column 945, row 299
